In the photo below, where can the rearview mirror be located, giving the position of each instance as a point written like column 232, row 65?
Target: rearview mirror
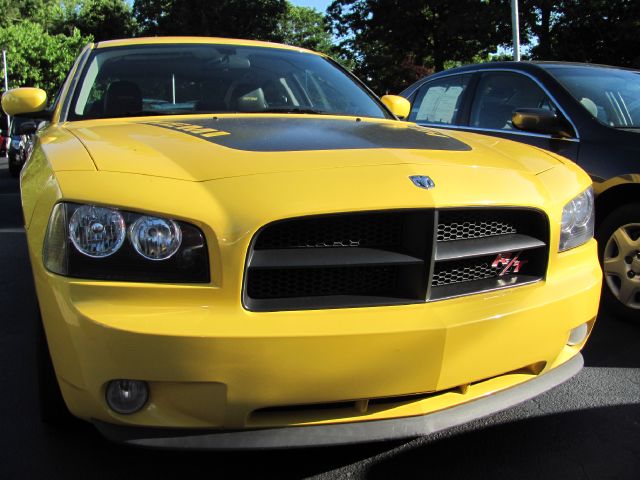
column 229, row 62
column 539, row 120
column 26, row 100
column 399, row 106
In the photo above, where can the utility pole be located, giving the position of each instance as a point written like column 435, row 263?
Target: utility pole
column 515, row 26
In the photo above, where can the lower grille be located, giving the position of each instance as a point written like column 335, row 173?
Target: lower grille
column 396, row 257
column 298, row 282
column 466, row 271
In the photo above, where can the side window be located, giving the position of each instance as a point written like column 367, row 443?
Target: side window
column 438, row 101
column 499, row 94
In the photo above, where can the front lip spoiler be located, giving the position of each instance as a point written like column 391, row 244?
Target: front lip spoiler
column 343, row 433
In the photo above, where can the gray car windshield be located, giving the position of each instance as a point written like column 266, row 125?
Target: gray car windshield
column 610, row 95
column 208, row 78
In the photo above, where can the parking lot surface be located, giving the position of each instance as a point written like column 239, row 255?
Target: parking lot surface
column 587, row 428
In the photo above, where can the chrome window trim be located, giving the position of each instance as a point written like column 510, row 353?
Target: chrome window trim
column 495, row 130
column 68, row 93
column 510, row 70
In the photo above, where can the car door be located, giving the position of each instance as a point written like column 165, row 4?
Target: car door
column 498, row 93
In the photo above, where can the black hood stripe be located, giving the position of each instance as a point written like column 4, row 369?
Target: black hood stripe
column 305, row 134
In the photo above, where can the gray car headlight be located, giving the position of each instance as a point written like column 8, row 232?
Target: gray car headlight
column 578, row 220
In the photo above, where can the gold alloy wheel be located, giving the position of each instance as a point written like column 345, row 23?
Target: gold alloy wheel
column 621, row 264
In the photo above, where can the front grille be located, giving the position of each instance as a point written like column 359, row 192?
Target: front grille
column 465, row 271
column 394, row 257
column 476, row 223
column 372, row 231
column 480, row 249
column 298, row 282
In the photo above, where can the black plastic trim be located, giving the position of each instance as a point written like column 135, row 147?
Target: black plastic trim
column 329, row 257
column 443, row 292
column 327, row 302
column 478, row 247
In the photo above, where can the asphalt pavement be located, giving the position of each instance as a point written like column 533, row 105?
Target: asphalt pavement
column 587, row 428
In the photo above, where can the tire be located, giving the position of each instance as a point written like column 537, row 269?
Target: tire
column 53, row 410
column 14, row 169
column 619, row 251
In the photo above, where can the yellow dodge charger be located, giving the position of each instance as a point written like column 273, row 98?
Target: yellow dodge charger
column 235, row 244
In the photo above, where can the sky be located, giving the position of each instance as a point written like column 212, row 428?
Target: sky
column 320, row 5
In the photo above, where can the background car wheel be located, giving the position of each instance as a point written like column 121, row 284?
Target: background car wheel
column 53, row 410
column 619, row 250
column 14, row 169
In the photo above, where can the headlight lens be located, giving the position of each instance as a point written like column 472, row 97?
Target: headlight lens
column 97, row 231
column 88, row 241
column 155, row 238
column 577, row 221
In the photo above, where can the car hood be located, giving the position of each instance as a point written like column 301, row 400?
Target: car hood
column 202, row 148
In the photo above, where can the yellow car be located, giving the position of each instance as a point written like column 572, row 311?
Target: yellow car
column 235, row 244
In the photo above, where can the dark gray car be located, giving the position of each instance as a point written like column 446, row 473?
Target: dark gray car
column 588, row 113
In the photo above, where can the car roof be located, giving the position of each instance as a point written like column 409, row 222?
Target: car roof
column 527, row 66
column 124, row 42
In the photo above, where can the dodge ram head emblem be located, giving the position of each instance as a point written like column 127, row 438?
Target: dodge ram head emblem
column 422, row 181
column 510, row 263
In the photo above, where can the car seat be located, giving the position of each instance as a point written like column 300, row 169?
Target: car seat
column 122, row 98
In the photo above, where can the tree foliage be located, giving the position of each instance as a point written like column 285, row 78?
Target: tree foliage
column 304, row 27
column 104, row 19
column 389, row 43
column 37, row 58
column 253, row 19
column 397, row 41
column 595, row 31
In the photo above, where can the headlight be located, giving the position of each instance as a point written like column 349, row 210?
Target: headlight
column 155, row 238
column 577, row 221
column 96, row 231
column 88, row 241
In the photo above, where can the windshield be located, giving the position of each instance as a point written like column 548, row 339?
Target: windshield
column 192, row 79
column 610, row 95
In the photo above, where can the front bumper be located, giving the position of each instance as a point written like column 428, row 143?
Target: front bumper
column 341, row 434
column 355, row 370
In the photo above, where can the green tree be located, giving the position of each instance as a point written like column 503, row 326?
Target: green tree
column 595, row 31
column 18, row 10
column 106, row 19
column 252, row 19
column 37, row 59
column 304, row 27
column 394, row 42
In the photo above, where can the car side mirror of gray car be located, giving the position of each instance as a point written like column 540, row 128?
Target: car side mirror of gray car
column 27, row 128
column 540, row 120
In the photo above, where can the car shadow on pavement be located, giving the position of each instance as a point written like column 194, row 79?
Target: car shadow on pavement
column 568, row 445
column 614, row 343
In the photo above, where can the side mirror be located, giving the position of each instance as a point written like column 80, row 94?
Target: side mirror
column 27, row 128
column 539, row 120
column 24, row 100
column 399, row 106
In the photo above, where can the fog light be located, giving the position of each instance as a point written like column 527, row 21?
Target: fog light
column 127, row 396
column 578, row 335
